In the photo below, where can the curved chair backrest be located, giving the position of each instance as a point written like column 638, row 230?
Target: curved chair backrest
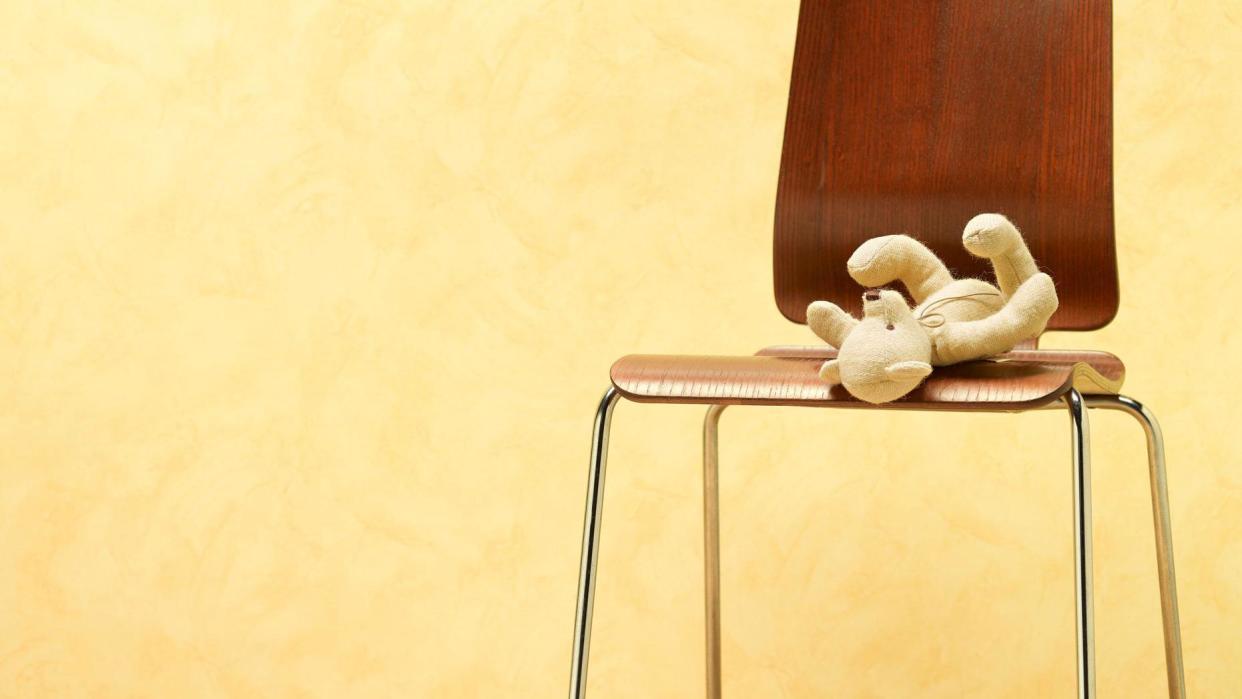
column 912, row 117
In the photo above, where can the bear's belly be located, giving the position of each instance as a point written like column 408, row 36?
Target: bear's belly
column 963, row 299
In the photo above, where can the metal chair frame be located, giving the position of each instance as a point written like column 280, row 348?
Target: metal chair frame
column 1077, row 404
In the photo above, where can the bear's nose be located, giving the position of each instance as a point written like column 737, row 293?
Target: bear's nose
column 872, row 295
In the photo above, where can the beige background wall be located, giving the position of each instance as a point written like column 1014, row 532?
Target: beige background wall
column 305, row 307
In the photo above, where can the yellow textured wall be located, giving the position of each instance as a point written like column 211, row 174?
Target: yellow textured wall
column 305, row 307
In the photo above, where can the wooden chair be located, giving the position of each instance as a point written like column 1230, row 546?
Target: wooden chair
column 913, row 117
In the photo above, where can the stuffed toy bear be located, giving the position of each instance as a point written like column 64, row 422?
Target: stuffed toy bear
column 893, row 348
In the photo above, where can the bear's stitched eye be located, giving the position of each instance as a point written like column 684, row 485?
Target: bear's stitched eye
column 889, row 326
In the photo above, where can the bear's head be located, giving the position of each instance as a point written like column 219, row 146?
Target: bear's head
column 886, row 355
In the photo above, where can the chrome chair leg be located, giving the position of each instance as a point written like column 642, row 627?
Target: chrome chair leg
column 1084, row 606
column 1164, row 534
column 590, row 544
column 1083, row 577
column 711, row 545
column 1085, row 612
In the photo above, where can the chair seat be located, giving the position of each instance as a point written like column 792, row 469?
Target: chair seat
column 789, row 375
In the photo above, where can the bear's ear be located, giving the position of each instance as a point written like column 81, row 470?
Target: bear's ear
column 907, row 371
column 831, row 372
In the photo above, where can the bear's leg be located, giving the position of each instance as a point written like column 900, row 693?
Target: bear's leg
column 994, row 238
column 1024, row 315
column 899, row 257
column 827, row 320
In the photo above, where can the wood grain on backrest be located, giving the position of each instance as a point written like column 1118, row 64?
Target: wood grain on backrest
column 912, row 117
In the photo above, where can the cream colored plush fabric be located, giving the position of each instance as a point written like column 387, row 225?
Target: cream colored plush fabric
column 893, row 348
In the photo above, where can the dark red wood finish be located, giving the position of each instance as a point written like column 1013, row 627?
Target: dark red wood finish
column 912, row 117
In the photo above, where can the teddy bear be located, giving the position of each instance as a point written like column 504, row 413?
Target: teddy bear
column 893, row 348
